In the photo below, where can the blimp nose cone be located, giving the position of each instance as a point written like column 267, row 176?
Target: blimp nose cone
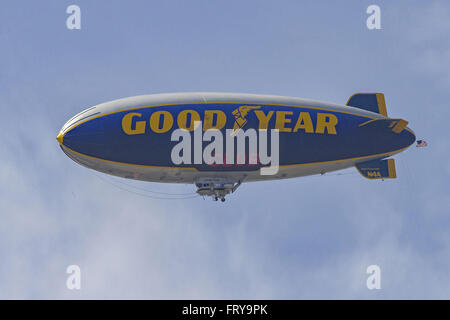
column 407, row 137
column 411, row 137
column 86, row 138
column 60, row 137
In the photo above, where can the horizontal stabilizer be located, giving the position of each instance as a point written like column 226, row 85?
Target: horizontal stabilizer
column 396, row 125
column 373, row 102
column 377, row 169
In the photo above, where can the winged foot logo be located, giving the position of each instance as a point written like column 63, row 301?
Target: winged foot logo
column 240, row 115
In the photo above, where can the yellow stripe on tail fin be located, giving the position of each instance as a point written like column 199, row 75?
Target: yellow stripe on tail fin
column 396, row 125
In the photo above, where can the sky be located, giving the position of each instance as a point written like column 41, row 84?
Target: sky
column 303, row 238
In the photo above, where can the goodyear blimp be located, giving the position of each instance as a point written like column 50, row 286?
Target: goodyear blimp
column 219, row 140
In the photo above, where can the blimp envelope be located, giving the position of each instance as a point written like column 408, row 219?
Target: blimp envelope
column 219, row 140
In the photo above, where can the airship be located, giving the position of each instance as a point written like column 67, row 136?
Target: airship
column 217, row 141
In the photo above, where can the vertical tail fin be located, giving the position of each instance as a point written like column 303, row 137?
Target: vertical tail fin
column 373, row 102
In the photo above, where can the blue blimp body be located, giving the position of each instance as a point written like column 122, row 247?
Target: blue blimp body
column 219, row 140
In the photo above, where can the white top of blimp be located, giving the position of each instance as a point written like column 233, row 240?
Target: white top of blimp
column 207, row 97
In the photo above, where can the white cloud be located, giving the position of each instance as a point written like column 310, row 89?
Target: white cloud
column 427, row 30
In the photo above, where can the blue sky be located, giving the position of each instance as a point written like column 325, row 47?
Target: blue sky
column 310, row 237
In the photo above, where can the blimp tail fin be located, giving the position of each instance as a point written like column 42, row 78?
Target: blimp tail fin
column 373, row 102
column 377, row 169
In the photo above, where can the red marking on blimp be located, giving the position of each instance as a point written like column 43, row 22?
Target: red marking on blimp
column 213, row 139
